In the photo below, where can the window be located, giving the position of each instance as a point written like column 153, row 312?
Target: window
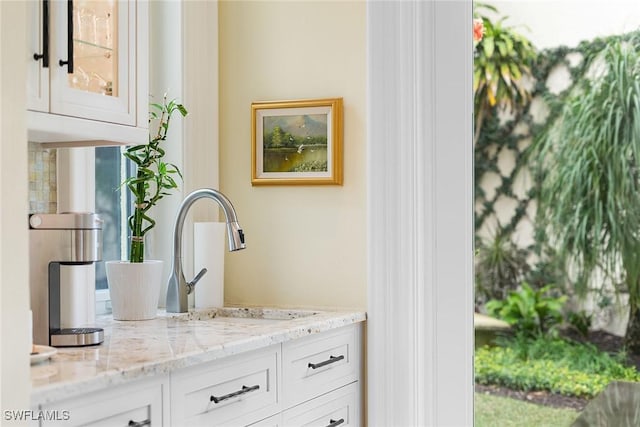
column 113, row 207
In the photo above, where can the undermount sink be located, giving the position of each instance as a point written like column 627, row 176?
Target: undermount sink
column 244, row 315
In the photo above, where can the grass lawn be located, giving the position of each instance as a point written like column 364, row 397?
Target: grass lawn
column 494, row 411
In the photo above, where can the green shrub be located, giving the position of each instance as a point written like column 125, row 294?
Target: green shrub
column 578, row 356
column 580, row 321
column 499, row 266
column 528, row 311
column 551, row 364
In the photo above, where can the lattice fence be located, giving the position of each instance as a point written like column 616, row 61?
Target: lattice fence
column 505, row 183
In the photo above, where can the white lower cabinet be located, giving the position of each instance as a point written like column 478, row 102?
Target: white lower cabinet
column 273, row 421
column 311, row 381
column 317, row 364
column 234, row 391
column 134, row 405
column 340, row 407
column 320, row 381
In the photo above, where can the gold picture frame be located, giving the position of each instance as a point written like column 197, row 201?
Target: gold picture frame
column 297, row 142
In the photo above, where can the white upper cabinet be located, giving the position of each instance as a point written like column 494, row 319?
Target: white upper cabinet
column 88, row 71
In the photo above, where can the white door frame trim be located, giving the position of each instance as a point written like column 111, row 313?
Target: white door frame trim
column 420, row 213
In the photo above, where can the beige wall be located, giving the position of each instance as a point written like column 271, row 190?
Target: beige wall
column 306, row 246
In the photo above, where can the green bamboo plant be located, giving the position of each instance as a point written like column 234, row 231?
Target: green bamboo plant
column 501, row 62
column 590, row 182
column 154, row 178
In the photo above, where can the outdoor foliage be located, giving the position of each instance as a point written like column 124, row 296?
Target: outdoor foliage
column 580, row 321
column 502, row 58
column 529, row 311
column 588, row 168
column 499, row 266
column 551, row 364
column 512, row 136
column 502, row 83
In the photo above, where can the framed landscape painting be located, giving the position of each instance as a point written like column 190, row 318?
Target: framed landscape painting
column 296, row 142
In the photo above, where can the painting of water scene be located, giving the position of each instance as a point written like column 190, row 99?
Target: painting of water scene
column 295, row 143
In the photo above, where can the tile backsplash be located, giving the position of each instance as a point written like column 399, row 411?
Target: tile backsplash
column 42, row 179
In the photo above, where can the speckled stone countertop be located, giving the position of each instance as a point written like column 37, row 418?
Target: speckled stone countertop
column 138, row 349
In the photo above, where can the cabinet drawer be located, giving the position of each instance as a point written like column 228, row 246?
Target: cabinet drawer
column 120, row 406
column 234, row 392
column 339, row 408
column 318, row 364
column 274, row 421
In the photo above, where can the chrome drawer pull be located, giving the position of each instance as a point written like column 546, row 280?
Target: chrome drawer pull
column 332, row 359
column 146, row 422
column 334, row 423
column 244, row 390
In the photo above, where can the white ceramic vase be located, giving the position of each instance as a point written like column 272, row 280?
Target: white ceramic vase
column 134, row 288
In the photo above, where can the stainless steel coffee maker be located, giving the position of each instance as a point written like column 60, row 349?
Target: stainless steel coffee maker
column 58, row 244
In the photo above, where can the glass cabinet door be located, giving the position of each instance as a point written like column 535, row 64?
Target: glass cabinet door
column 95, row 47
column 93, row 69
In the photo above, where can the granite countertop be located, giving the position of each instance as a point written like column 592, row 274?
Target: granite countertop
column 138, row 349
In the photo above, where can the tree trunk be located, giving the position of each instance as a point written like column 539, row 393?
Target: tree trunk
column 632, row 335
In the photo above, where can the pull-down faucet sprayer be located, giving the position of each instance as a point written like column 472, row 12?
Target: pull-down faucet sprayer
column 178, row 288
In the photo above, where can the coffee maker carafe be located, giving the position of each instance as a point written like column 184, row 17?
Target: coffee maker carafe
column 58, row 244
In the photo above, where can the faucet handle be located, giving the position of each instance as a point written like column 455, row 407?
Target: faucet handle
column 192, row 284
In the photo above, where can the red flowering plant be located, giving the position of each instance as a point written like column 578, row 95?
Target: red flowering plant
column 502, row 59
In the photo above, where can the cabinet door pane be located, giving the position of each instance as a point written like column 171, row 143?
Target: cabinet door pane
column 95, row 46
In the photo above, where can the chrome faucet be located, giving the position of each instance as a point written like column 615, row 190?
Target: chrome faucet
column 178, row 288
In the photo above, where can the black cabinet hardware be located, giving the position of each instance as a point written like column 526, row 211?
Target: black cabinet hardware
column 69, row 61
column 146, row 422
column 244, row 390
column 45, row 36
column 330, row 360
